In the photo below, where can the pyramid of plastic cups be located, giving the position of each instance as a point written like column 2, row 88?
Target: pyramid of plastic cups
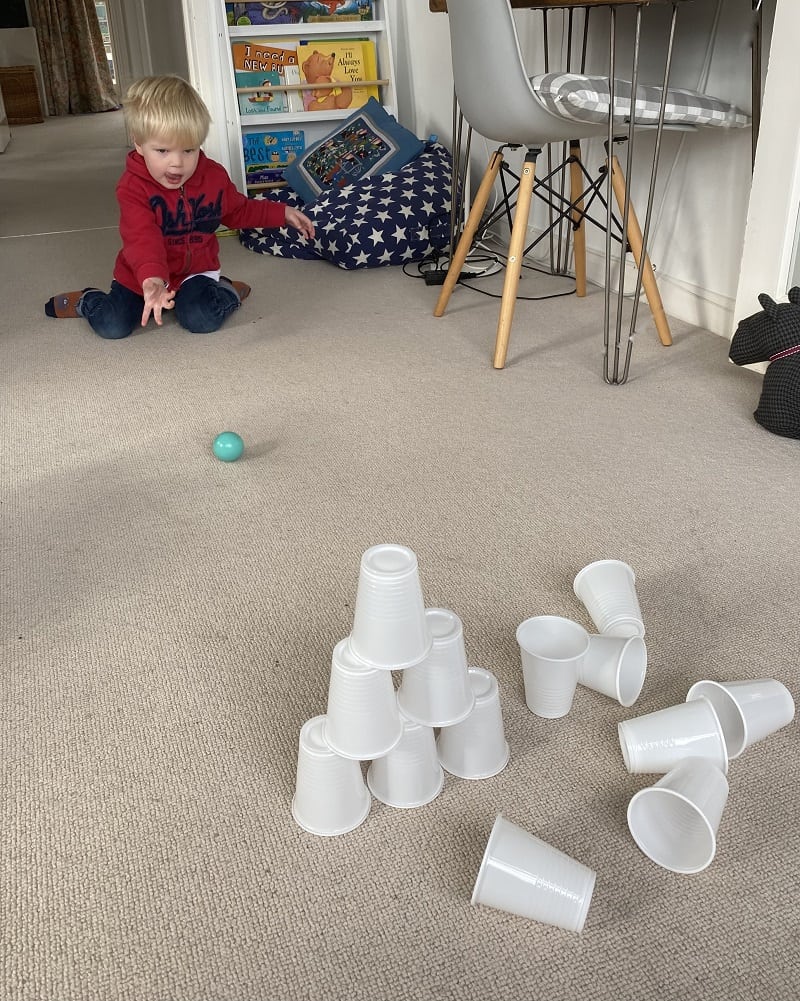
column 657, row 741
column 330, row 794
column 608, row 590
column 410, row 774
column 748, row 711
column 675, row 821
column 524, row 875
column 362, row 720
column 437, row 692
column 390, row 631
column 476, row 747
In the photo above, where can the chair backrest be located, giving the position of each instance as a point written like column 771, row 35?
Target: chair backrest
column 491, row 83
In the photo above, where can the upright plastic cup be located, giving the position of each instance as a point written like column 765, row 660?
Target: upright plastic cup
column 524, row 875
column 362, row 720
column 410, row 774
column 747, row 710
column 657, row 741
column 330, row 794
column 675, row 821
column 437, row 692
column 608, row 590
column 476, row 748
column 614, row 666
column 390, row 630
column 551, row 649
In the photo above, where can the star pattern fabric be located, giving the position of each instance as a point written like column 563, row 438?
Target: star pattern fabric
column 378, row 221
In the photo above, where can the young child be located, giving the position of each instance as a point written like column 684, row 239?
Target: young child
column 172, row 198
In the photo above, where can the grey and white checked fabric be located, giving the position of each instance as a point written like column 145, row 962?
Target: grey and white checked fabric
column 587, row 99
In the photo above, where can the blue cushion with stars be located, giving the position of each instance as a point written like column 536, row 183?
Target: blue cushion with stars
column 384, row 219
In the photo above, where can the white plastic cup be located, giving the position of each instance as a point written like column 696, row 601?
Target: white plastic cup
column 476, row 748
column 657, row 741
column 675, row 821
column 524, row 875
column 390, row 631
column 362, row 720
column 608, row 590
column 410, row 774
column 437, row 692
column 551, row 648
column 747, row 710
column 614, row 666
column 330, row 794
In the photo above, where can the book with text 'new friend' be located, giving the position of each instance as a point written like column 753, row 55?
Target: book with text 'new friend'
column 326, row 63
column 258, row 64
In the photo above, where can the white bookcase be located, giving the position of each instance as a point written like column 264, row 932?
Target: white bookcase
column 212, row 73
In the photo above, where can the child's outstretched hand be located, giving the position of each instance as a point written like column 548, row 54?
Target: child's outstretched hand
column 295, row 218
column 157, row 297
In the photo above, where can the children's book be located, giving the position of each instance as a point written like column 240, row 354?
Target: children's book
column 298, row 11
column 331, row 61
column 260, row 102
column 267, row 154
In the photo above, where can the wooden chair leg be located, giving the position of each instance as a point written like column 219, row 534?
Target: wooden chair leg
column 468, row 234
column 516, row 248
column 579, row 228
column 636, row 244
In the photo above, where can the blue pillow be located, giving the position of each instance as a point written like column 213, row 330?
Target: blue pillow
column 370, row 141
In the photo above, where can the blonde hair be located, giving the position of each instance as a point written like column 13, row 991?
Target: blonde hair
column 166, row 107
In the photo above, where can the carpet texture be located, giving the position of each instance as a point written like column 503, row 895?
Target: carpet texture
column 168, row 622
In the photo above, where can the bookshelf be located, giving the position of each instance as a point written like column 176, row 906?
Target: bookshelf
column 314, row 124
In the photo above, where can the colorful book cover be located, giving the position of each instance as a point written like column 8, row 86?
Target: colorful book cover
column 335, row 61
column 260, row 102
column 263, row 55
column 298, row 11
column 349, row 154
column 267, row 154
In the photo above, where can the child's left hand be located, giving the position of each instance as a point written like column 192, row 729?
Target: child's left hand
column 295, row 218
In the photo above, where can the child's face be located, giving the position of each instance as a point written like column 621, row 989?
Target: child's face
column 170, row 164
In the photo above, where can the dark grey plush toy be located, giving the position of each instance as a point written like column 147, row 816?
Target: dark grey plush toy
column 773, row 335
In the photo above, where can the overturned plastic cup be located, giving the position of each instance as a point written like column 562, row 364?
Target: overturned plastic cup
column 437, row 692
column 524, row 875
column 614, row 666
column 330, row 796
column 675, row 821
column 551, row 648
column 657, row 741
column 410, row 774
column 390, row 630
column 747, row 710
column 362, row 720
column 476, row 748
column 608, row 590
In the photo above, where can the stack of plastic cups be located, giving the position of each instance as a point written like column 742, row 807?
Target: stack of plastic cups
column 608, row 590
column 410, row 774
column 437, row 692
column 476, row 747
column 524, row 875
column 330, row 794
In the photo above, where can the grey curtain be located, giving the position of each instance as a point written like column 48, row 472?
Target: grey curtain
column 76, row 75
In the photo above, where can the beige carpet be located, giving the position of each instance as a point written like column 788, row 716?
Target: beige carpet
column 168, row 622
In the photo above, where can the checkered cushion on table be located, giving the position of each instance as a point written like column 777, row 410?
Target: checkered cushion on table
column 587, row 99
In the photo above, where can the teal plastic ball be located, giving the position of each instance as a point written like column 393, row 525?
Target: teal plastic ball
column 228, row 446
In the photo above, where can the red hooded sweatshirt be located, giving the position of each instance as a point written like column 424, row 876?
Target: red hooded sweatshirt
column 171, row 233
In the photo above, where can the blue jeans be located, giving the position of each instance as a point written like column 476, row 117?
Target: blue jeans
column 201, row 307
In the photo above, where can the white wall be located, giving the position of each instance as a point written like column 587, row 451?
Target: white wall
column 703, row 191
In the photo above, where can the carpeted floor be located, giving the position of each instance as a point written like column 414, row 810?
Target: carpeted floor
column 168, row 623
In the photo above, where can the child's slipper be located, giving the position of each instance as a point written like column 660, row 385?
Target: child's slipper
column 64, row 306
column 242, row 290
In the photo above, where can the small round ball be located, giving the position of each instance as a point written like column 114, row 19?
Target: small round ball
column 228, row 446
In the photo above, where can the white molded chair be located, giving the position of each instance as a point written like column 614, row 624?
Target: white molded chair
column 499, row 101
